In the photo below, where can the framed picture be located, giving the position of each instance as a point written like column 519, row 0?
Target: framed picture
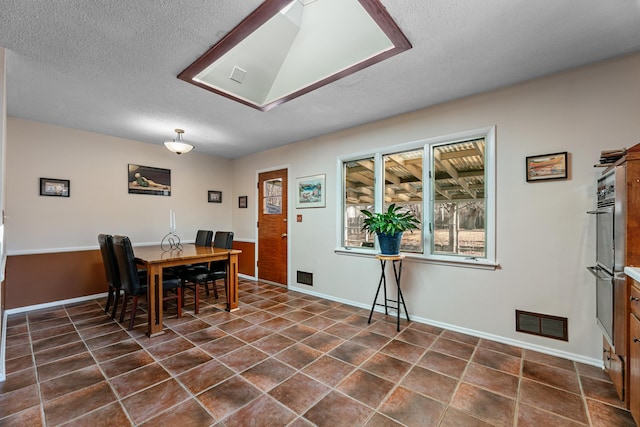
column 215, row 196
column 310, row 191
column 54, row 187
column 149, row 180
column 547, row 166
column 242, row 202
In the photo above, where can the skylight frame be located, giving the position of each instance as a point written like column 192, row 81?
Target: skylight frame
column 264, row 13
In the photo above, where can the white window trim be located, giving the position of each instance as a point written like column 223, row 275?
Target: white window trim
column 488, row 262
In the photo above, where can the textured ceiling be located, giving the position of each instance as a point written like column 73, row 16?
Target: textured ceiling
column 111, row 67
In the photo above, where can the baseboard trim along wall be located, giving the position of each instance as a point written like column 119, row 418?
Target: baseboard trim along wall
column 550, row 351
column 54, row 303
column 553, row 352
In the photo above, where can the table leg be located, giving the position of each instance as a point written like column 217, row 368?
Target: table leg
column 232, row 283
column 154, row 300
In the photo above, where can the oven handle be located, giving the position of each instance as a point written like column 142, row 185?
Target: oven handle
column 601, row 211
column 599, row 273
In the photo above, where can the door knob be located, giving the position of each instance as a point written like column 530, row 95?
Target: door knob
column 284, row 235
column 632, row 299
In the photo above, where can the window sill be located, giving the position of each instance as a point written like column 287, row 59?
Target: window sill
column 480, row 264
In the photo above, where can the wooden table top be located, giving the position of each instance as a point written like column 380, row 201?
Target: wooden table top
column 155, row 254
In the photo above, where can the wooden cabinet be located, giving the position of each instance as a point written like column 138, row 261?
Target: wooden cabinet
column 634, row 368
column 632, row 300
column 617, row 357
column 614, row 365
column 634, row 352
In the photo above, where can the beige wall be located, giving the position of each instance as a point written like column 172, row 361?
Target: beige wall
column 544, row 236
column 99, row 202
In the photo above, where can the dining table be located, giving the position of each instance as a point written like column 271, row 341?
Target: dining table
column 155, row 258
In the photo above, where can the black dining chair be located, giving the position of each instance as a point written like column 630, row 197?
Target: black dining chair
column 192, row 278
column 133, row 286
column 203, row 238
column 111, row 272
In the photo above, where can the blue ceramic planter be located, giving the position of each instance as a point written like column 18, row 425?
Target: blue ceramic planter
column 389, row 243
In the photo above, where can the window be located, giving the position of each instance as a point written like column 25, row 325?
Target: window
column 272, row 202
column 447, row 181
column 359, row 179
column 403, row 187
column 458, row 203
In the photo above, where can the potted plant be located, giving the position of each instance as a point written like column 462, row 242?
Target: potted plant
column 389, row 226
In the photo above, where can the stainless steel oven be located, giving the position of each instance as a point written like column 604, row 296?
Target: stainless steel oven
column 610, row 241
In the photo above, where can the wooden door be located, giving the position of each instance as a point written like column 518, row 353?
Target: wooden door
column 272, row 226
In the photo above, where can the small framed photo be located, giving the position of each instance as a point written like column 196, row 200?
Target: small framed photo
column 547, row 166
column 215, row 196
column 310, row 191
column 242, row 202
column 54, row 187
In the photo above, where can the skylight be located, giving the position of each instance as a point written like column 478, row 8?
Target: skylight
column 287, row 48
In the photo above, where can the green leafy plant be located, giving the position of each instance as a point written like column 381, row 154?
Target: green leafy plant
column 390, row 222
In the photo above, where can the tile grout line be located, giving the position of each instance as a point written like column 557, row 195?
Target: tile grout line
column 459, row 383
column 258, row 292
column 35, row 368
column 519, row 389
column 583, row 395
column 298, row 371
column 106, row 378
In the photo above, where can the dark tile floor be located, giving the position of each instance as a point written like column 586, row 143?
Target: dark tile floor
column 284, row 359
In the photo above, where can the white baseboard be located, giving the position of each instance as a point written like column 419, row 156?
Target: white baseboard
column 546, row 350
column 53, row 304
column 28, row 308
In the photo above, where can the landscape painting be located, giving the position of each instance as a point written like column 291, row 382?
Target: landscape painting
column 548, row 166
column 310, row 192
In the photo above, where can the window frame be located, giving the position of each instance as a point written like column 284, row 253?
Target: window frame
column 487, row 262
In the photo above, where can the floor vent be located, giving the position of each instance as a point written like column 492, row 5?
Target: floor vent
column 542, row 324
column 305, row 278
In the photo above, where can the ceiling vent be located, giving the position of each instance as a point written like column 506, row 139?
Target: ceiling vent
column 237, row 75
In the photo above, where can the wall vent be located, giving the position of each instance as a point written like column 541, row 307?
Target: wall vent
column 542, row 324
column 305, row 278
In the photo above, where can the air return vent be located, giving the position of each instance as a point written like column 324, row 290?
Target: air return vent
column 305, row 278
column 542, row 324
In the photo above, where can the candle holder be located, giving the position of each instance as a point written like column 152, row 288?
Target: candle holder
column 171, row 241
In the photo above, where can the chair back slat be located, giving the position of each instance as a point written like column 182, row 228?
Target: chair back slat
column 204, row 237
column 223, row 240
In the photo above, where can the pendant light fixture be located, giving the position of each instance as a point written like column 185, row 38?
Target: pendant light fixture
column 177, row 145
